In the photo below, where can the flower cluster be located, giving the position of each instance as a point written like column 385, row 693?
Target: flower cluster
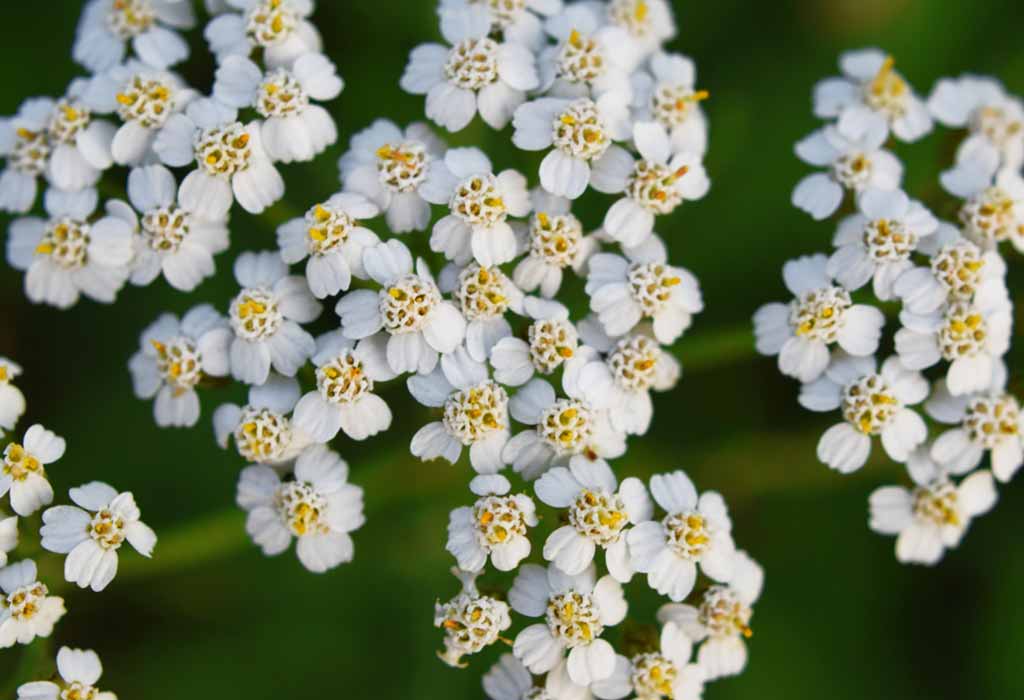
column 467, row 314
column 89, row 533
column 945, row 282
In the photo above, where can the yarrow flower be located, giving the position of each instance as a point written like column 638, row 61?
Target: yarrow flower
column 280, row 28
column 600, row 513
column 24, row 469
column 388, row 166
column 265, row 318
column 495, row 527
column 722, row 619
column 479, row 204
column 475, row 413
column 822, row 314
column 174, row 358
column 993, row 118
column 471, row 621
column 71, row 253
column 935, row 515
column 231, row 163
column 555, row 240
column 331, row 237
column 484, row 296
column 262, row 429
column 91, row 534
column 655, row 185
column 346, row 373
column 28, row 610
column 107, row 26
column 994, row 208
column 293, row 128
column 79, row 671
column 665, row 672
column 872, row 92
column 625, row 290
column 473, row 74
column 576, row 610
column 419, row 323
column 853, row 163
column 12, row 401
column 551, row 341
column 957, row 272
column 665, row 92
column 695, row 530
column 319, row 508
column 872, row 402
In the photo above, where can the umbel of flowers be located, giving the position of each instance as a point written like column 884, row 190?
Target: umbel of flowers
column 430, row 265
column 938, row 404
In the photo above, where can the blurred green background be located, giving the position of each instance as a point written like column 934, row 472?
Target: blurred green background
column 210, row 617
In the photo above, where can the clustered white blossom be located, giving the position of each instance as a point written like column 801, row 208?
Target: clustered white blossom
column 472, row 327
column 942, row 282
column 90, row 533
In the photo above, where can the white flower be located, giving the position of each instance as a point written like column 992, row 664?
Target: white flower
column 471, row 621
column 79, row 671
column 876, row 244
column 107, row 26
column 26, row 148
column 625, row 290
column 346, row 372
column 409, row 308
column 872, row 402
column 494, row 527
column 562, row 430
column 475, row 413
column 555, row 241
column 8, row 537
column 331, row 236
column 28, row 610
column 957, row 271
column 517, row 21
column 935, row 515
column 293, row 128
column 871, row 92
column 853, row 164
column 59, row 139
column 509, row 679
column 24, row 473
column 484, row 295
column 654, row 675
column 993, row 118
column 649, row 22
column 666, row 93
column 319, row 508
column 721, row 620
column 600, row 513
column 822, row 313
column 281, row 28
column 971, row 335
column 69, row 254
column 92, row 534
column 144, row 98
column 994, row 208
column 590, row 57
column 173, row 239
column 551, row 340
column 265, row 317
column 475, row 73
column 576, row 611
column 479, row 204
column 989, row 422
column 262, row 431
column 230, row 161
column 654, row 185
column 633, row 366
column 581, row 130
column 695, row 530
column 173, row 359
column 12, row 401
column 388, row 166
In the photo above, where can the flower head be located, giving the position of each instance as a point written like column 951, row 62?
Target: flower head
column 27, row 610
column 79, row 671
column 24, row 469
